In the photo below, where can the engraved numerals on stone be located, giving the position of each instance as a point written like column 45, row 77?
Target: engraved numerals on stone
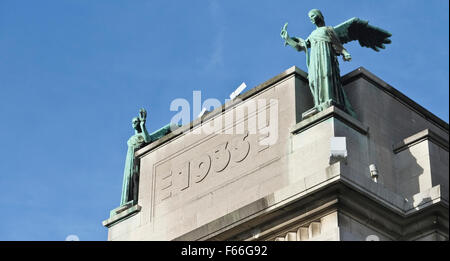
column 200, row 168
column 179, row 177
column 221, row 157
column 263, row 130
column 239, row 147
column 182, row 177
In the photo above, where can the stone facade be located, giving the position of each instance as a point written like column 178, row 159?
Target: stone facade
column 238, row 184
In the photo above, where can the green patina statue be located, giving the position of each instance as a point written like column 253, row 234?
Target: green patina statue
column 326, row 43
column 130, row 174
column 140, row 138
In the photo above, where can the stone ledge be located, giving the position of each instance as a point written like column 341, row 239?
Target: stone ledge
column 403, row 206
column 423, row 199
column 122, row 216
column 421, row 136
column 331, row 112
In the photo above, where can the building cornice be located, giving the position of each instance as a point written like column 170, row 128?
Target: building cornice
column 361, row 72
column 426, row 134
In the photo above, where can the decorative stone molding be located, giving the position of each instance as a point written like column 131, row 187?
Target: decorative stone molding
column 426, row 134
column 302, row 233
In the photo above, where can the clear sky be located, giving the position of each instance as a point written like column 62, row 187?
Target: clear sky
column 74, row 73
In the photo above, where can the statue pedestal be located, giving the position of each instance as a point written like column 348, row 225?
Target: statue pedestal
column 309, row 113
column 120, row 209
column 121, row 213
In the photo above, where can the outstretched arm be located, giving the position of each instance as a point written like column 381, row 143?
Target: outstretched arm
column 142, row 119
column 297, row 43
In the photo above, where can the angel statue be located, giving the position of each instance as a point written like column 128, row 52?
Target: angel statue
column 326, row 43
column 131, row 172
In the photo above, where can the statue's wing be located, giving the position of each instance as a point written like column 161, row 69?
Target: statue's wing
column 366, row 34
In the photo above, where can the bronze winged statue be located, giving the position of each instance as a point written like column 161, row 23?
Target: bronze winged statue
column 325, row 44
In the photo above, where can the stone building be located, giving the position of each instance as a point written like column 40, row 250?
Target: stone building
column 285, row 176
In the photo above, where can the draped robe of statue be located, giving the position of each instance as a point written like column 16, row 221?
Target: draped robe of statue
column 130, row 185
column 325, row 44
column 323, row 69
column 131, row 171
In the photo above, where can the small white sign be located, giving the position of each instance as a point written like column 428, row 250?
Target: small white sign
column 202, row 112
column 238, row 90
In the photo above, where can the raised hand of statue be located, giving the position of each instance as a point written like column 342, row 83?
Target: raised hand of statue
column 297, row 43
column 142, row 115
column 284, row 34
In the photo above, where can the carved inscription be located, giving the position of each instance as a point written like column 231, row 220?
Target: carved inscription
column 165, row 184
column 221, row 157
column 201, row 167
column 239, row 147
column 181, row 177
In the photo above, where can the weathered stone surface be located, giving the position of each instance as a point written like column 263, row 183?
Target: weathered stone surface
column 200, row 186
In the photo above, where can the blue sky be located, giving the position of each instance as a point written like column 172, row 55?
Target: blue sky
column 74, row 73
